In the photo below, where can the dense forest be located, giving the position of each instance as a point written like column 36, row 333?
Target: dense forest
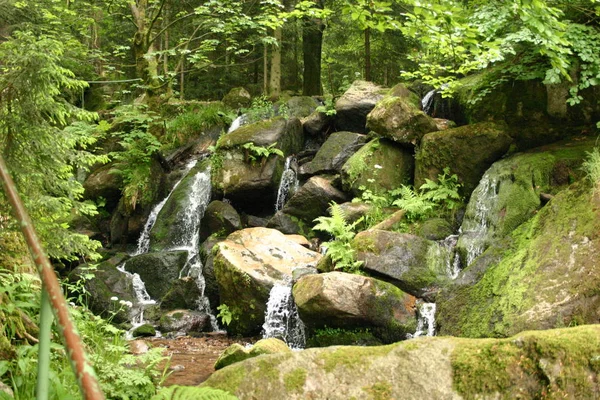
column 108, row 108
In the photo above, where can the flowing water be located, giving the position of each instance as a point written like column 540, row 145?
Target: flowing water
column 474, row 232
column 143, row 299
column 426, row 321
column 288, row 184
column 452, row 259
column 427, row 101
column 143, row 244
column 281, row 318
column 236, row 123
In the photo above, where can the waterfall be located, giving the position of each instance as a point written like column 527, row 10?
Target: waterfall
column 143, row 299
column 288, row 184
column 474, row 231
column 426, row 321
column 281, row 318
column 143, row 244
column 452, row 259
column 236, row 123
column 427, row 101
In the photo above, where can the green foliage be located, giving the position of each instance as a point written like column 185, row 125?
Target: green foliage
column 255, row 153
column 192, row 393
column 417, row 207
column 328, row 108
column 225, row 314
column 134, row 162
column 591, row 167
column 342, row 337
column 339, row 249
column 191, row 123
column 42, row 151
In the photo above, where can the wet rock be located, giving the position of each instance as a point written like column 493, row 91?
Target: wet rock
column 236, row 352
column 301, row 106
column 138, row 347
column 219, row 218
column 338, row 299
column 184, row 321
column 247, row 265
column 158, row 270
column 285, row 223
column 106, row 183
column 412, row 263
column 313, row 198
column 182, row 293
column 317, row 123
column 144, row 331
column 237, row 98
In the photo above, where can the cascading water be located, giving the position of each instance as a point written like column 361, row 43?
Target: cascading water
column 143, row 299
column 452, row 258
column 143, row 244
column 426, row 321
column 236, row 123
column 288, row 184
column 281, row 318
column 427, row 101
column 474, row 231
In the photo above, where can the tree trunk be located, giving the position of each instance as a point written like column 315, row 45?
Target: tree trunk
column 312, row 41
column 265, row 70
column 275, row 81
column 368, row 54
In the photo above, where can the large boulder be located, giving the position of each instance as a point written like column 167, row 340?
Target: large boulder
column 301, row 106
column 220, row 218
column 249, row 182
column 158, row 270
column 179, row 219
column 558, row 363
column 414, row 264
column 237, row 98
column 354, row 106
column 546, row 277
column 509, row 192
column 333, row 154
column 313, row 198
column 108, row 283
column 182, row 294
column 338, row 299
column 184, row 321
column 380, row 165
column 104, row 182
column 468, row 151
column 400, row 120
column 247, row 265
column 317, row 123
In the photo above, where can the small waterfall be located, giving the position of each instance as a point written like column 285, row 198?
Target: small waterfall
column 427, row 101
column 143, row 244
column 281, row 318
column 474, row 231
column 288, row 184
column 236, row 123
column 143, row 299
column 426, row 321
column 452, row 258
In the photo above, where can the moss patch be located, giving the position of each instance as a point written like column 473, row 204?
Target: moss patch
column 294, row 381
column 379, row 391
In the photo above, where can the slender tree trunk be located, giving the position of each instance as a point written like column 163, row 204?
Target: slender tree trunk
column 275, row 81
column 312, row 42
column 265, row 71
column 182, row 79
column 368, row 54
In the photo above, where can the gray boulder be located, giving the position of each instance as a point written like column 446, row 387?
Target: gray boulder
column 219, row 218
column 158, row 270
column 313, row 198
column 332, row 155
column 184, row 321
column 354, row 106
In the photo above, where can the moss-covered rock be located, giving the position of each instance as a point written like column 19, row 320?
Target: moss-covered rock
column 108, row 282
column 313, row 199
column 355, row 104
column 174, row 224
column 182, row 294
column 285, row 223
column 338, row 299
column 251, row 182
column 237, row 98
column 557, row 364
column 509, row 192
column 547, row 278
column 158, row 270
column 247, row 265
column 414, row 264
column 106, row 183
column 301, row 106
column 397, row 119
column 185, row 321
column 219, row 218
column 236, row 352
column 468, row 151
column 379, row 166
column 145, row 330
column 333, row 154
column 435, row 229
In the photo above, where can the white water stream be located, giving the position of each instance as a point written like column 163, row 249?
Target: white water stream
column 289, row 183
column 426, row 321
column 281, row 318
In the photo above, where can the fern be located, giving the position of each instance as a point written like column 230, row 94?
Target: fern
column 416, row 205
column 444, row 192
column 339, row 249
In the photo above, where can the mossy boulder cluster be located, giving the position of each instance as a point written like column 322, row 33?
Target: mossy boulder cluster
column 518, row 251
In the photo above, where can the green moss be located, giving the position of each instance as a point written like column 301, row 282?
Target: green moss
column 352, row 358
column 342, row 337
column 294, row 381
column 379, row 391
column 550, row 364
column 229, row 381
